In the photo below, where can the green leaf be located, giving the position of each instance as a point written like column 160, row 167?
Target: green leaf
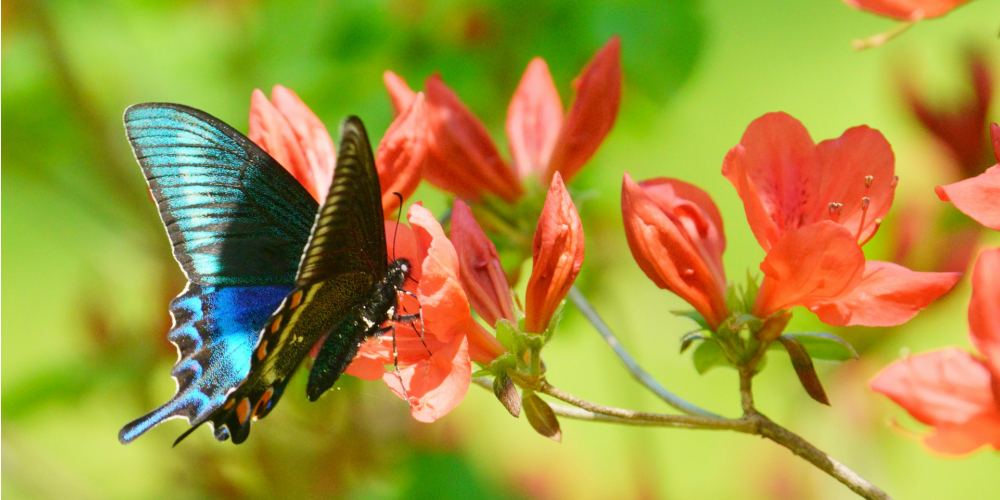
column 690, row 337
column 505, row 333
column 708, row 355
column 554, row 322
column 821, row 345
column 485, row 372
column 750, row 295
column 804, row 368
column 541, row 417
column 693, row 316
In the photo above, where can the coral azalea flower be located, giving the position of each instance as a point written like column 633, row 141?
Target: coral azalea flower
column 811, row 207
column 292, row 134
column 907, row 10
column 675, row 233
column 435, row 364
column 462, row 158
column 952, row 390
column 558, row 250
column 979, row 197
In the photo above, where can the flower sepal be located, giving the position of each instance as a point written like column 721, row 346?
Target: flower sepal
column 804, row 368
column 540, row 416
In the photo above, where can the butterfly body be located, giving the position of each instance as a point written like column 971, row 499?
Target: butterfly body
column 264, row 289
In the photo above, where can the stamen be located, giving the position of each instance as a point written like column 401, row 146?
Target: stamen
column 878, row 224
column 865, row 202
column 868, row 181
column 835, row 211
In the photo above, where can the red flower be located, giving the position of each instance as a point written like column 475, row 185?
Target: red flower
column 907, row 10
column 956, row 392
column 462, row 158
column 292, row 134
column 557, row 255
column 978, row 197
column 289, row 131
column 558, row 250
column 811, row 207
column 436, row 368
column 675, row 233
column 960, row 125
column 482, row 275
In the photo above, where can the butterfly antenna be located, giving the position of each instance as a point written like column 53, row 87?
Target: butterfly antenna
column 396, row 230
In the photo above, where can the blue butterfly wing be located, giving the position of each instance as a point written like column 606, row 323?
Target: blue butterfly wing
column 215, row 329
column 234, row 216
column 238, row 223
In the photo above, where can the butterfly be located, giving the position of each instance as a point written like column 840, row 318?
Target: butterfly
column 270, row 273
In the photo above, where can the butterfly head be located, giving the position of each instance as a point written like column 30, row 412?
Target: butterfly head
column 399, row 271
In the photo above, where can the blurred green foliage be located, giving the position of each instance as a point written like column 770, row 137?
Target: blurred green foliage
column 89, row 272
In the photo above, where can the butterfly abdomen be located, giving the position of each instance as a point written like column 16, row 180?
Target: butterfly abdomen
column 342, row 344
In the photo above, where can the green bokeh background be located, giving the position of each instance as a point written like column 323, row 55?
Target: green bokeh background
column 89, row 273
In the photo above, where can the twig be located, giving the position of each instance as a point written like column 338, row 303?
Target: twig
column 746, row 392
column 662, row 419
column 753, row 423
column 821, row 460
column 640, row 375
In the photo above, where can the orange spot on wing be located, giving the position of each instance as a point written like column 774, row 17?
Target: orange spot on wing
column 296, row 299
column 263, row 401
column 229, row 404
column 243, row 410
column 277, row 324
column 262, row 350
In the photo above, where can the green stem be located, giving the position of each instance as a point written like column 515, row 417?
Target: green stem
column 637, row 371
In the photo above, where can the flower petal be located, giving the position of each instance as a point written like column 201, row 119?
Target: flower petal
column 557, row 255
column 813, row 264
column 399, row 92
column 846, row 163
column 270, row 130
column 984, row 308
column 400, row 155
column 461, row 157
column 977, row 197
column 313, row 138
column 436, row 385
column 967, row 437
column 906, row 10
column 445, row 305
column 593, row 113
column 675, row 233
column 776, row 174
column 888, row 295
column 948, row 386
column 482, row 275
column 534, row 118
column 370, row 361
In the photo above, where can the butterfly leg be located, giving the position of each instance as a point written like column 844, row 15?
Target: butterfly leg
column 411, row 318
column 395, row 363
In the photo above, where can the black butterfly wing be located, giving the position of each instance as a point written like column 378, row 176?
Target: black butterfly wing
column 237, row 222
column 345, row 257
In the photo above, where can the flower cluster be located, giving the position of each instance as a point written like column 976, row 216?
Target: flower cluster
column 461, row 157
column 811, row 208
